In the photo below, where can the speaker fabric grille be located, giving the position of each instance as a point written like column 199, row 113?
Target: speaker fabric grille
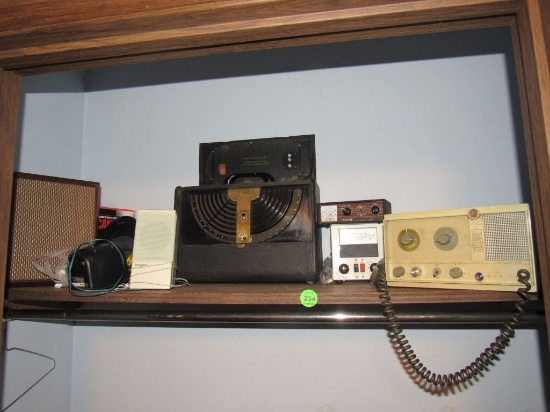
column 155, row 241
column 506, row 237
column 48, row 214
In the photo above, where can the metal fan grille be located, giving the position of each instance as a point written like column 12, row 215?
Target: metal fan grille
column 270, row 213
column 506, row 237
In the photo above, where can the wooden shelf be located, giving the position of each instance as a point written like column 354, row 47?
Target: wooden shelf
column 252, row 305
column 259, row 294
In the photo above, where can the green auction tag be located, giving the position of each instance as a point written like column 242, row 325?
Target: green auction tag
column 308, row 298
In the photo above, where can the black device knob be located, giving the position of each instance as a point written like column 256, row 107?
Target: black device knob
column 346, row 211
column 343, row 268
column 375, row 209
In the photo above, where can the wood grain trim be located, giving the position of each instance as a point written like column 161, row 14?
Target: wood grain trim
column 355, row 293
column 14, row 15
column 10, row 85
column 535, row 52
column 504, row 21
column 52, row 16
column 55, row 179
column 224, row 25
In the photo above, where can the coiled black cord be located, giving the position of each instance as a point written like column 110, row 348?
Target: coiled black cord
column 469, row 372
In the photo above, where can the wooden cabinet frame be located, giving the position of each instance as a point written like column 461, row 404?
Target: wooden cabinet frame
column 44, row 36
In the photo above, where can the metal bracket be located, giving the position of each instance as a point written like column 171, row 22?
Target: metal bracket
column 244, row 198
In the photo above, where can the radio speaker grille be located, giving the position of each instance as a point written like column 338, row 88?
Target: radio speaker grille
column 506, row 237
column 154, row 241
column 48, row 214
column 155, row 247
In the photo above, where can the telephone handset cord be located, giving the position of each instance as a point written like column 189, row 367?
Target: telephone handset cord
column 469, row 372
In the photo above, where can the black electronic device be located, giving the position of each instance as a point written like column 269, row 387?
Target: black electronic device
column 246, row 233
column 97, row 266
column 255, row 161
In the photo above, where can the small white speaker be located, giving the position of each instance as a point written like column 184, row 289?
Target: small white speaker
column 154, row 258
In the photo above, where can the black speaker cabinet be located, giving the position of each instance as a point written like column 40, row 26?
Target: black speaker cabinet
column 264, row 233
column 48, row 214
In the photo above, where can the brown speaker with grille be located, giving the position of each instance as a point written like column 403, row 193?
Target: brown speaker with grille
column 48, row 214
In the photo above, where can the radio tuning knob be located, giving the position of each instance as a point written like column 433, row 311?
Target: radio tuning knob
column 415, row 272
column 443, row 239
column 346, row 211
column 398, row 271
column 456, row 272
column 408, row 239
column 375, row 209
column 343, row 268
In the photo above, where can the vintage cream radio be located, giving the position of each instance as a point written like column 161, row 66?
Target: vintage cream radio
column 478, row 248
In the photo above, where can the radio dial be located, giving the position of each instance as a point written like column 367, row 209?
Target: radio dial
column 415, row 272
column 398, row 271
column 408, row 239
column 329, row 213
column 443, row 239
column 456, row 272
column 375, row 210
column 346, row 211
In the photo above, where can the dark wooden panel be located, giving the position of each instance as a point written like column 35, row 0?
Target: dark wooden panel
column 85, row 38
column 24, row 14
column 534, row 86
column 9, row 109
